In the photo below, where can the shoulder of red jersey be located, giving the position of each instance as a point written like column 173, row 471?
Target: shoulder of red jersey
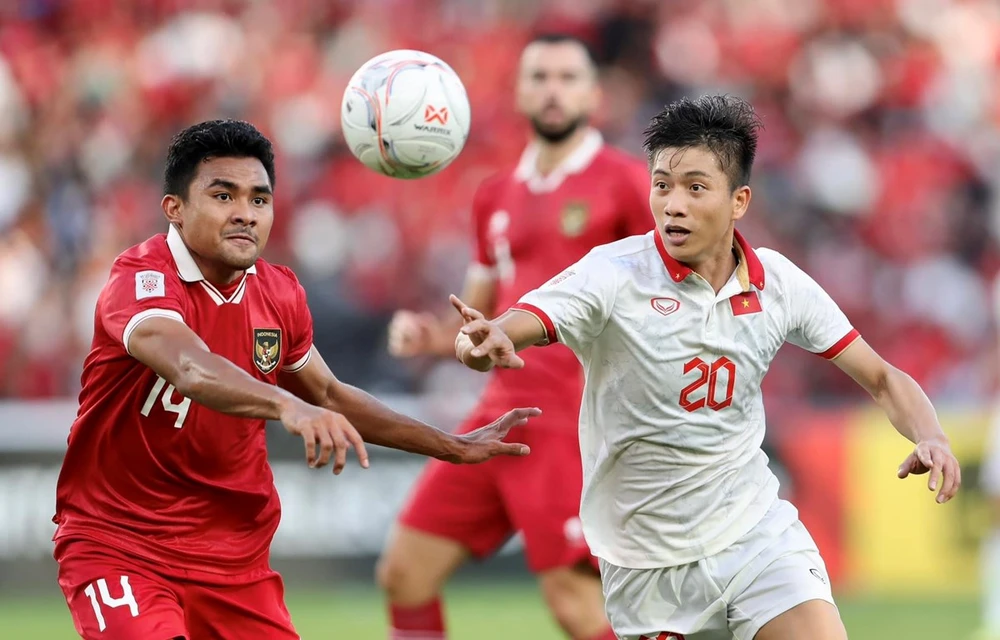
column 277, row 276
column 152, row 253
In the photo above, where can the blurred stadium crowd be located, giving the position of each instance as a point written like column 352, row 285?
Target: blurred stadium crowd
column 878, row 172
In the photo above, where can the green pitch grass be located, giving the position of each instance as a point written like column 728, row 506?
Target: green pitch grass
column 500, row 612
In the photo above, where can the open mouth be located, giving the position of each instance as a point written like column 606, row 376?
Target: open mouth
column 675, row 234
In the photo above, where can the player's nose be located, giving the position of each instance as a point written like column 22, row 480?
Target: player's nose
column 244, row 215
column 674, row 206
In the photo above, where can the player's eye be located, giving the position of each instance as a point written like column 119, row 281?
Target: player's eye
column 697, row 187
column 223, row 196
column 662, row 186
column 260, row 202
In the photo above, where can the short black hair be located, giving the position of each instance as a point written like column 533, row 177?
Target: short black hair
column 558, row 37
column 725, row 124
column 213, row 139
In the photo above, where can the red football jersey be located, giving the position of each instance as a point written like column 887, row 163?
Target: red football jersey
column 530, row 227
column 152, row 473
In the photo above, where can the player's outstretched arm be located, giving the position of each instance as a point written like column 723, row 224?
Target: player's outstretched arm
column 179, row 356
column 482, row 344
column 378, row 424
column 911, row 412
column 419, row 334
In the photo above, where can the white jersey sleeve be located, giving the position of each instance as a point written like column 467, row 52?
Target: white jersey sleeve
column 575, row 305
column 815, row 322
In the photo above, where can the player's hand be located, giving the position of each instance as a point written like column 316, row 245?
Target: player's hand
column 487, row 442
column 488, row 339
column 934, row 456
column 329, row 431
column 411, row 333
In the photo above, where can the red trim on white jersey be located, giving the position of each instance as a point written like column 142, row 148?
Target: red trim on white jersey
column 550, row 327
column 678, row 270
column 839, row 346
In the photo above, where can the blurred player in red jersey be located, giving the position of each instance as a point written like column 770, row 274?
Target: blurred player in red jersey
column 569, row 193
column 166, row 505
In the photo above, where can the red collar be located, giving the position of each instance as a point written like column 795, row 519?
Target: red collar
column 678, row 271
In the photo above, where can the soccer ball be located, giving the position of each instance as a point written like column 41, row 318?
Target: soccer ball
column 405, row 114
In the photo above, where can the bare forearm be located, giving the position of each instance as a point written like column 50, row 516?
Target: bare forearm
column 378, row 424
column 217, row 383
column 908, row 407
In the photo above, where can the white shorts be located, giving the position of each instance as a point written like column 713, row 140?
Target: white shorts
column 771, row 569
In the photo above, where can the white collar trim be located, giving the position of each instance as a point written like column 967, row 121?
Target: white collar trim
column 580, row 159
column 188, row 269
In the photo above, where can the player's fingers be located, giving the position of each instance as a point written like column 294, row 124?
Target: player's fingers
column 340, row 446
column 516, row 418
column 476, row 326
column 934, row 480
column 949, row 481
column 358, row 443
column 468, row 313
column 511, row 449
column 491, row 343
column 910, row 466
column 325, row 448
column 924, row 456
column 458, row 304
column 309, row 438
column 513, row 361
column 906, row 467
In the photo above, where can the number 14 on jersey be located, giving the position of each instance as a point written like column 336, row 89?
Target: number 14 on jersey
column 167, row 400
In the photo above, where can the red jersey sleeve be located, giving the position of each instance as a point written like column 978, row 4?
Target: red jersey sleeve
column 136, row 292
column 300, row 329
column 482, row 205
column 636, row 218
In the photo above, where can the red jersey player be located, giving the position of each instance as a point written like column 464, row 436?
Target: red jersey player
column 569, row 193
column 165, row 504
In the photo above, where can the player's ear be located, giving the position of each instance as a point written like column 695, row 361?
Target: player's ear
column 171, row 205
column 741, row 201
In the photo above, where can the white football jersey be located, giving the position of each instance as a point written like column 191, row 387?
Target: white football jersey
column 672, row 418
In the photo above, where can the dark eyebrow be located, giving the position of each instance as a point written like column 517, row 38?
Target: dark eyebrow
column 689, row 174
column 232, row 186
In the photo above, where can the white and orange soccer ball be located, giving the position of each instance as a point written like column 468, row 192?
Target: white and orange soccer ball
column 405, row 114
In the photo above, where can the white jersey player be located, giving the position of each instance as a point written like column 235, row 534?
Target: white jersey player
column 675, row 330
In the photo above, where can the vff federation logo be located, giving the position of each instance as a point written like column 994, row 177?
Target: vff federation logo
column 665, row 635
column 664, row 306
column 574, row 218
column 266, row 349
column 432, row 113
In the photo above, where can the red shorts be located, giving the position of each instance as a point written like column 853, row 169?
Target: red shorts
column 481, row 506
column 113, row 596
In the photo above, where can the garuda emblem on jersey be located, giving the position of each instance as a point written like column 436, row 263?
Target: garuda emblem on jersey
column 574, row 218
column 266, row 349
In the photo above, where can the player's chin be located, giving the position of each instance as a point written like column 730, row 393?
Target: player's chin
column 555, row 129
column 240, row 258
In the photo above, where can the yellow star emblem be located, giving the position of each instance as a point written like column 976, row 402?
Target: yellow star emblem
column 746, row 304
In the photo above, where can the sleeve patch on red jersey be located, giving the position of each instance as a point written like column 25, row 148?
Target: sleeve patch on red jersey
column 149, row 284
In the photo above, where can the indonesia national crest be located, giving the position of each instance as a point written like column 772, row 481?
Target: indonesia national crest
column 266, row 349
column 574, row 218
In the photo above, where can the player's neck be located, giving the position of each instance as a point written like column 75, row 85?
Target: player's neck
column 717, row 269
column 552, row 154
